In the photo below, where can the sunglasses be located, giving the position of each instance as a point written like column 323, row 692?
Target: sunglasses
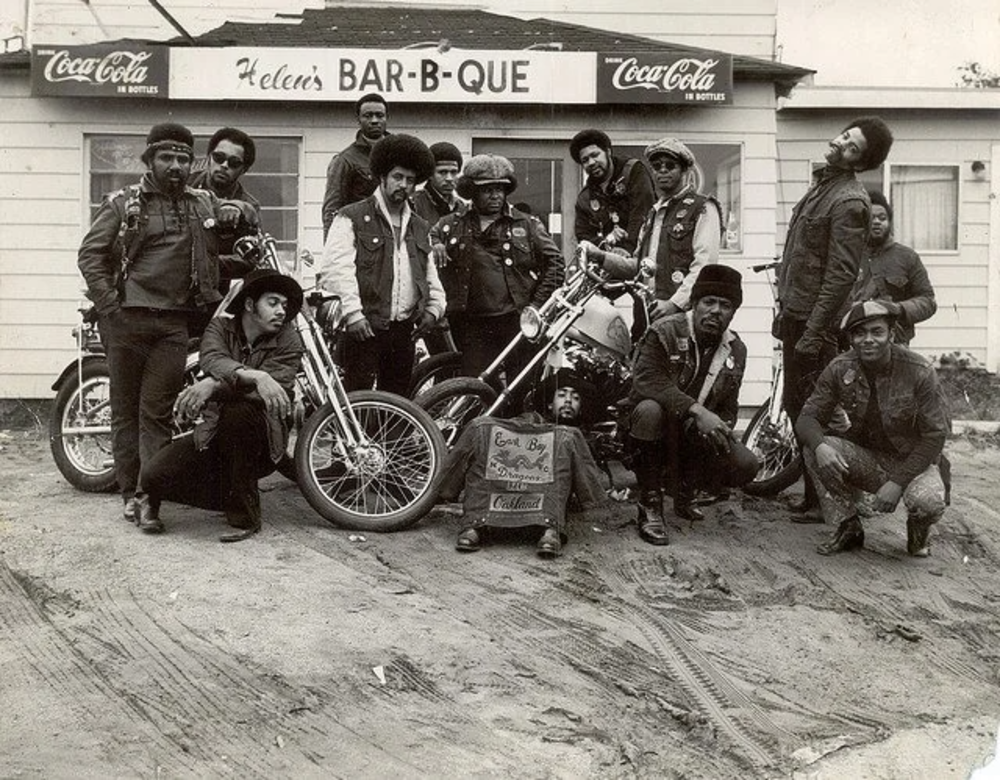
column 235, row 163
column 664, row 164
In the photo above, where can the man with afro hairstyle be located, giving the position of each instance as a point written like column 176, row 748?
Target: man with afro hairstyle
column 377, row 258
column 438, row 198
column 618, row 194
column 823, row 251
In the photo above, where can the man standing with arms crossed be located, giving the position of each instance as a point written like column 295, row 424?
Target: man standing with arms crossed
column 823, row 251
column 348, row 176
column 377, row 258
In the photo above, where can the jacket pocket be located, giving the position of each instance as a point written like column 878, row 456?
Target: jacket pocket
column 817, row 234
column 369, row 249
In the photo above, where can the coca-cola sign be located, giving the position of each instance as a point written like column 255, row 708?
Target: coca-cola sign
column 103, row 70
column 659, row 78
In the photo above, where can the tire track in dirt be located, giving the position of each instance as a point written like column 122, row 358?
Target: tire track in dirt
column 196, row 707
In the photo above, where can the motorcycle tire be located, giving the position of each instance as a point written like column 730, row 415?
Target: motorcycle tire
column 433, row 369
column 778, row 450
column 387, row 486
column 85, row 460
column 475, row 395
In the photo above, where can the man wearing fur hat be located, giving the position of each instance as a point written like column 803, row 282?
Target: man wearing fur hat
column 242, row 407
column 377, row 258
column 685, row 391
column 494, row 260
column 618, row 194
column 151, row 262
column 898, row 428
column 438, row 198
column 819, row 265
column 683, row 231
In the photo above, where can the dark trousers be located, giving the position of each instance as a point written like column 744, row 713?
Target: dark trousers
column 223, row 475
column 481, row 339
column 674, row 454
column 801, row 373
column 146, row 350
column 387, row 358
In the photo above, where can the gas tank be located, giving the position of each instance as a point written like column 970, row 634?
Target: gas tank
column 602, row 327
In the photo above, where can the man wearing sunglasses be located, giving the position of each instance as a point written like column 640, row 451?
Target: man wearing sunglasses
column 231, row 153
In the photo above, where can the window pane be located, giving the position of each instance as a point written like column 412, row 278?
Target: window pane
column 925, row 205
column 718, row 172
column 274, row 180
column 539, row 188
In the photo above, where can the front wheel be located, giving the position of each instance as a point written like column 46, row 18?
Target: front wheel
column 80, row 428
column 433, row 369
column 385, row 483
column 454, row 403
column 772, row 439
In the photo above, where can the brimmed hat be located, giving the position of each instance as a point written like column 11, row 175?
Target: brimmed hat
column 406, row 151
column 672, row 148
column 264, row 280
column 446, row 152
column 584, row 138
column 864, row 311
column 168, row 135
column 720, row 280
column 486, row 169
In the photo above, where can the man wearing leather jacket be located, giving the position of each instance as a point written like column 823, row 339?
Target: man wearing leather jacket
column 151, row 261
column 823, row 251
column 348, row 175
column 685, row 396
column 618, row 194
column 494, row 261
column 377, row 259
column 898, row 428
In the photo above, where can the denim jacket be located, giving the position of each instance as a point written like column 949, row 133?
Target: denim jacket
column 911, row 408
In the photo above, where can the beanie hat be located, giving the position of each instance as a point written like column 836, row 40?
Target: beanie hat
column 672, row 148
column 584, row 138
column 720, row 280
column 486, row 169
column 168, row 135
column 406, row 151
column 446, row 152
column 867, row 310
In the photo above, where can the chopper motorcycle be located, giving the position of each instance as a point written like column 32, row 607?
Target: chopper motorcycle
column 366, row 460
column 578, row 327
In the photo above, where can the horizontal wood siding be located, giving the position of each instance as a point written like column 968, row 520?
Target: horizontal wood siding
column 922, row 137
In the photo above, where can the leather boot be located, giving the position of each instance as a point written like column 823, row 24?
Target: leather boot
column 918, row 530
column 147, row 515
column 684, row 505
column 849, row 536
column 129, row 509
column 652, row 529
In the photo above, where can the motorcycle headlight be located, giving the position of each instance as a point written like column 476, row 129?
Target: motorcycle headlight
column 247, row 249
column 531, row 323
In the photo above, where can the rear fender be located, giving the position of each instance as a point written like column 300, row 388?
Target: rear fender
column 72, row 368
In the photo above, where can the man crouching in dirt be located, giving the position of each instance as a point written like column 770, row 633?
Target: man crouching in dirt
column 897, row 433
column 685, row 387
column 521, row 472
column 242, row 406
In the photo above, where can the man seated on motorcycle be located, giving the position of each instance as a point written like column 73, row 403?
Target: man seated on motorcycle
column 522, row 472
column 685, row 391
column 241, row 408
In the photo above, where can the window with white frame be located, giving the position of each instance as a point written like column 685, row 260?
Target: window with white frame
column 274, row 179
column 924, row 200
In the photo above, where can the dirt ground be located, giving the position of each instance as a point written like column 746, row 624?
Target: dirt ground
column 311, row 651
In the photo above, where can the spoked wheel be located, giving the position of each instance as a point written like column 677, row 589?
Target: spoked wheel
column 773, row 442
column 388, row 482
column 80, row 429
column 434, row 369
column 454, row 403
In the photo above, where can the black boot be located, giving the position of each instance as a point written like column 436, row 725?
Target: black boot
column 147, row 514
column 918, row 531
column 849, row 536
column 652, row 529
column 684, row 504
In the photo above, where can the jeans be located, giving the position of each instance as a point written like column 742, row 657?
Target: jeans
column 388, row 358
column 146, row 350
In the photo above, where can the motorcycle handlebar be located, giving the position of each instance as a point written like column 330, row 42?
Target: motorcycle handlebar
column 593, row 260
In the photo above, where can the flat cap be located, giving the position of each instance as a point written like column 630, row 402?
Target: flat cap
column 671, row 147
column 486, row 169
column 864, row 311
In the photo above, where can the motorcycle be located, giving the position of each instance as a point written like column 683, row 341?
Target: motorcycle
column 366, row 460
column 578, row 327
